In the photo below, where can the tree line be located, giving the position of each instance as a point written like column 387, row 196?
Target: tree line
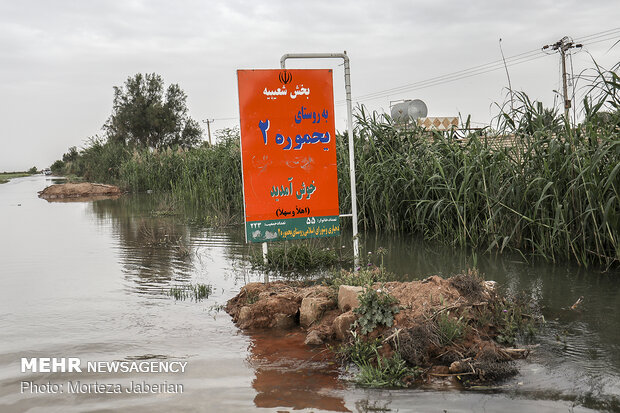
column 145, row 114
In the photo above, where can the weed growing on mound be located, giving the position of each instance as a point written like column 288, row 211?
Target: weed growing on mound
column 460, row 333
column 377, row 307
column 449, row 328
column 375, row 370
column 363, row 277
column 513, row 320
column 386, row 372
column 358, row 350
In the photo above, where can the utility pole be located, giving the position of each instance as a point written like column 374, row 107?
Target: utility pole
column 208, row 122
column 564, row 45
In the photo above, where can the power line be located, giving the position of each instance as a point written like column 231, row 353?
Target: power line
column 514, row 60
column 524, row 57
column 472, row 70
column 428, row 83
column 602, row 40
column 599, row 34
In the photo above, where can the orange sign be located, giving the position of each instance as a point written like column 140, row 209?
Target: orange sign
column 288, row 153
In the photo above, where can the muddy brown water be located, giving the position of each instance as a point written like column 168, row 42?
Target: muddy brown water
column 90, row 280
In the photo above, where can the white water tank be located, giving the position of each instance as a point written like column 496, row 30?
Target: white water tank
column 408, row 111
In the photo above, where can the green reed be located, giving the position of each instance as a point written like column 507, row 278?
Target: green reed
column 195, row 292
column 206, row 178
column 552, row 190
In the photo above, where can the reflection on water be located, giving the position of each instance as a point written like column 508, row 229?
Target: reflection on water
column 156, row 249
column 290, row 374
column 88, row 279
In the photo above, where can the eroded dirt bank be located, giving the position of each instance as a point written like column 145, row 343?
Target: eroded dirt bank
column 445, row 327
column 78, row 191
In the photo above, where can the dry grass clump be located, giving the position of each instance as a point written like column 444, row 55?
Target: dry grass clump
column 416, row 344
column 469, row 284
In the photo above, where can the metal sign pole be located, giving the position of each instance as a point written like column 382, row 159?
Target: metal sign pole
column 265, row 261
column 347, row 86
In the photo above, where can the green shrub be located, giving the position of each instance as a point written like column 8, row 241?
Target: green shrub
column 377, row 307
column 513, row 321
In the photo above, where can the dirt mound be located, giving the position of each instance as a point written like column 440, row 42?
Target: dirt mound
column 417, row 298
column 447, row 326
column 83, row 190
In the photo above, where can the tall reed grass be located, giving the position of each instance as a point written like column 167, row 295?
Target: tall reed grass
column 553, row 191
column 208, row 177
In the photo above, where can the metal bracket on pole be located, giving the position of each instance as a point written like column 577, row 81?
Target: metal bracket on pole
column 347, row 86
column 265, row 253
column 265, row 261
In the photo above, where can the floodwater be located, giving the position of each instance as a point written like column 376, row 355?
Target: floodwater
column 90, row 280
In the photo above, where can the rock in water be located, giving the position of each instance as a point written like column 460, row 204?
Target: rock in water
column 313, row 339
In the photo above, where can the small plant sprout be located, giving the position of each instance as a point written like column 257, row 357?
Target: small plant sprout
column 195, row 292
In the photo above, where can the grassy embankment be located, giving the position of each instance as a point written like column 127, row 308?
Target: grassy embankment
column 7, row 176
column 553, row 192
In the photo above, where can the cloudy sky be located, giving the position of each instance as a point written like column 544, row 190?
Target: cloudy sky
column 59, row 59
